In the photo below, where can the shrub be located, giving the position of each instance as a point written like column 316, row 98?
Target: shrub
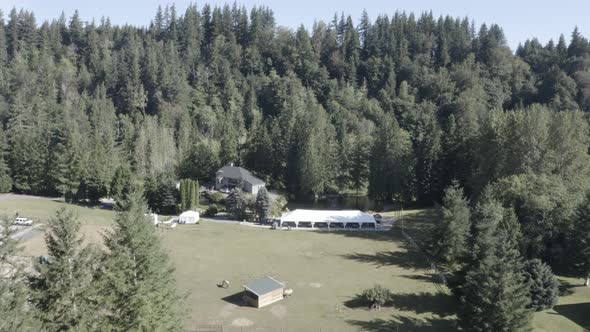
column 544, row 286
column 216, row 197
column 235, row 204
column 211, row 211
column 376, row 296
column 278, row 205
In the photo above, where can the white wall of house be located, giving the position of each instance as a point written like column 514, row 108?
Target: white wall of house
column 255, row 188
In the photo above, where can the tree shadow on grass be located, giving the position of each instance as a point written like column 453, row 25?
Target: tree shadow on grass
column 356, row 302
column 565, row 288
column 577, row 313
column 420, row 303
column 428, row 278
column 409, row 258
column 438, row 304
column 387, row 236
column 403, row 324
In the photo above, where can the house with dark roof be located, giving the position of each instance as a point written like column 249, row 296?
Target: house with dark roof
column 230, row 176
column 263, row 291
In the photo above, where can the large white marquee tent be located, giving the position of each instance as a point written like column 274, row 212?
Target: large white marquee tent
column 327, row 218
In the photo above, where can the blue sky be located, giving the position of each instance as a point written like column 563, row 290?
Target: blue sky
column 521, row 19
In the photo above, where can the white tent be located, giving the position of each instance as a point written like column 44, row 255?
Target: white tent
column 154, row 218
column 328, row 218
column 189, row 217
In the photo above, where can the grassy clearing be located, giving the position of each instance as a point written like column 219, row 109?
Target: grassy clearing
column 326, row 271
column 42, row 209
column 94, row 221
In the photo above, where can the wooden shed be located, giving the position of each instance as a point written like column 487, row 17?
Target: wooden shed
column 263, row 291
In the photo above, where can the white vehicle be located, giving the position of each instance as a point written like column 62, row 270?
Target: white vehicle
column 23, row 222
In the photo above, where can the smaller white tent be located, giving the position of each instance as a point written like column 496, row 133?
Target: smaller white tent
column 189, row 217
column 153, row 218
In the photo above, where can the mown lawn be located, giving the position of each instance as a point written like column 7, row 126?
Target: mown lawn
column 42, row 209
column 325, row 270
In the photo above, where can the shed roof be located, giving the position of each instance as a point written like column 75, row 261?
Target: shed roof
column 263, row 285
column 344, row 216
column 235, row 172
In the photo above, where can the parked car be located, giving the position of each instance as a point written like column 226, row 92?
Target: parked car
column 23, row 221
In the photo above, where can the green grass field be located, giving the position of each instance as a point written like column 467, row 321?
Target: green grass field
column 41, row 209
column 325, row 270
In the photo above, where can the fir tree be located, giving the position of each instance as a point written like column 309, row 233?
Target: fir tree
column 495, row 295
column 14, row 310
column 235, row 203
column 493, row 292
column 391, row 168
column 138, row 280
column 450, row 242
column 121, row 183
column 359, row 161
column 580, row 235
column 263, row 204
column 543, row 285
column 63, row 290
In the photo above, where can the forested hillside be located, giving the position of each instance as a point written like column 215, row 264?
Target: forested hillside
column 398, row 106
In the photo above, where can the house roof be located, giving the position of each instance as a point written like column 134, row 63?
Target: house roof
column 263, row 285
column 239, row 173
column 344, row 216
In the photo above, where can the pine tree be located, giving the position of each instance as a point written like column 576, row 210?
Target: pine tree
column 189, row 194
column 5, row 179
column 495, row 295
column 359, row 161
column 14, row 310
column 183, row 194
column 138, row 279
column 63, row 289
column 235, row 203
column 450, row 240
column 391, row 173
column 121, row 183
column 196, row 195
column 263, row 204
column 493, row 292
column 543, row 285
column 581, row 240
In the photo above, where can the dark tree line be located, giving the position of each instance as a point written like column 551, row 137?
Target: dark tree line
column 399, row 106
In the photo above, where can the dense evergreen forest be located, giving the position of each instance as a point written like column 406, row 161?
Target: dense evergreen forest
column 399, row 106
column 408, row 109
